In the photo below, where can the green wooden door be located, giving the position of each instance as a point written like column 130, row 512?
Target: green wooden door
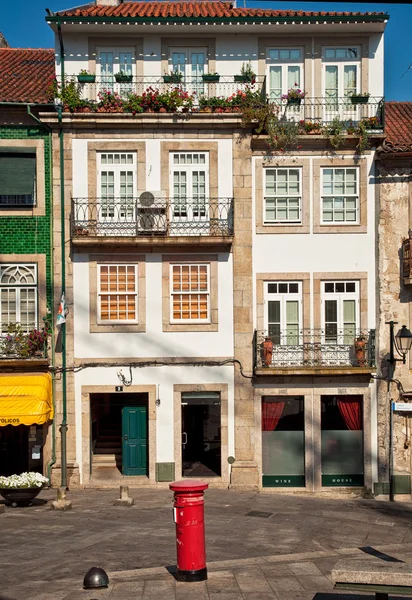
column 134, row 440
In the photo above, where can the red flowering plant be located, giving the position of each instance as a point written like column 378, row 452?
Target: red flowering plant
column 17, row 342
column 173, row 100
column 110, row 102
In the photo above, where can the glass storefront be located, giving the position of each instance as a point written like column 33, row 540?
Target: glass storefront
column 283, row 441
column 342, row 440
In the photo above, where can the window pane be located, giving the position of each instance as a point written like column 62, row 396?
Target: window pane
column 331, row 311
column 292, row 312
column 349, row 308
column 274, row 311
column 293, row 77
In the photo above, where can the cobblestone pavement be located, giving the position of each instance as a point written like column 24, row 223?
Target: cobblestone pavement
column 284, row 555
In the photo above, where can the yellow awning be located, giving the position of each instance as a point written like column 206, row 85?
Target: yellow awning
column 25, row 399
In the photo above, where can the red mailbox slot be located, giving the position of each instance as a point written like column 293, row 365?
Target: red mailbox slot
column 189, row 516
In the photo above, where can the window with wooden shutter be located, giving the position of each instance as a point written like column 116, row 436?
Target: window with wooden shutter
column 117, row 294
column 190, row 292
column 18, row 178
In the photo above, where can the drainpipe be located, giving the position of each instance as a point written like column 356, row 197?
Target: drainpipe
column 63, row 426
column 52, row 461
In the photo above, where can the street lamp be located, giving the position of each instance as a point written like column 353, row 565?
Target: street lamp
column 401, row 342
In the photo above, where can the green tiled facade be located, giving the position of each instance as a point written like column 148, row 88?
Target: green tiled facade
column 30, row 234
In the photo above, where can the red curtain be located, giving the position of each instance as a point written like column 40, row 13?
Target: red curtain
column 351, row 412
column 271, row 413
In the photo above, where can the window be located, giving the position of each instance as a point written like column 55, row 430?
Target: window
column 112, row 61
column 191, row 63
column 18, row 178
column 190, row 294
column 18, row 295
column 117, row 293
column 285, row 71
column 117, row 184
column 283, row 309
column 340, row 304
column 340, row 196
column 282, row 196
column 341, row 80
column 190, row 181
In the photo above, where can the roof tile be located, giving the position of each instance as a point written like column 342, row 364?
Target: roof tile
column 198, row 8
column 398, row 127
column 25, row 74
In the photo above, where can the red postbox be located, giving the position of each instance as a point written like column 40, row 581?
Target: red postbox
column 189, row 516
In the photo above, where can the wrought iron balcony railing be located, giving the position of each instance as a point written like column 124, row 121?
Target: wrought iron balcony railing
column 147, row 215
column 319, row 111
column 207, row 86
column 18, row 343
column 328, row 347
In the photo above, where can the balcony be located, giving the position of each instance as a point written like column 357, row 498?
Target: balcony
column 314, row 351
column 207, row 86
column 407, row 260
column 148, row 218
column 19, row 347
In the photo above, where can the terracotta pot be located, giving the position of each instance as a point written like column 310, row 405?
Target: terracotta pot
column 267, row 351
column 360, row 351
column 162, row 109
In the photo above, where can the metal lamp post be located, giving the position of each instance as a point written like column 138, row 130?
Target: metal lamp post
column 401, row 342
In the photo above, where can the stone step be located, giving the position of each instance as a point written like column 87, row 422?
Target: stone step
column 106, row 458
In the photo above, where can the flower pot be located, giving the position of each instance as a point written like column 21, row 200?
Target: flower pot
column 294, row 101
column 359, row 99
column 243, row 78
column 19, row 496
column 123, row 78
column 267, row 347
column 86, row 78
column 172, row 78
column 210, row 78
column 360, row 351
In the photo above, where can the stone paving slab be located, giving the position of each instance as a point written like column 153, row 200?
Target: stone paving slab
column 289, row 555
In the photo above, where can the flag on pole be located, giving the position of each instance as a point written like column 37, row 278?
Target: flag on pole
column 62, row 312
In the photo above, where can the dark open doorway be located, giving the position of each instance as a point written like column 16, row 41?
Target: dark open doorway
column 119, row 434
column 201, row 434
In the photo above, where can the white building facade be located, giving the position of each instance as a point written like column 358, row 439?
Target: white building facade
column 193, row 240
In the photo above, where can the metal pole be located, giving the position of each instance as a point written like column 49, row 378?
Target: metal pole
column 391, row 487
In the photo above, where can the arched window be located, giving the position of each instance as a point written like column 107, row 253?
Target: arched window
column 18, row 296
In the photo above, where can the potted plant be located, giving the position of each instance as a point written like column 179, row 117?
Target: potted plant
column 360, row 98
column 360, row 350
column 173, row 77
column 86, row 77
column 294, row 96
column 247, row 74
column 122, row 77
column 211, row 77
column 20, row 490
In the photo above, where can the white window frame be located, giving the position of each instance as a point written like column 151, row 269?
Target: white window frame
column 102, row 321
column 189, row 207
column 18, row 287
column 283, row 297
column 279, row 196
column 340, row 297
column 345, row 197
column 187, row 68
column 116, row 207
column 284, row 63
column 182, row 292
column 116, row 59
column 342, row 107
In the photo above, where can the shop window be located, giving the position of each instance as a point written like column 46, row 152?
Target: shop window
column 342, row 440
column 283, row 441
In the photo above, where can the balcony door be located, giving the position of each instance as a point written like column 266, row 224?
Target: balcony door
column 112, row 61
column 116, row 214
column 341, row 79
column 285, row 72
column 191, row 63
column 283, row 321
column 340, row 321
column 189, row 176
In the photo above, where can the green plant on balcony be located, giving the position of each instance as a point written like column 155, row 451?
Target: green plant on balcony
column 283, row 134
column 358, row 98
column 247, row 74
column 123, row 77
column 210, row 77
column 67, row 91
column 311, row 127
column 19, row 343
column 335, row 131
column 173, row 77
column 294, row 96
column 86, row 77
column 362, row 132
